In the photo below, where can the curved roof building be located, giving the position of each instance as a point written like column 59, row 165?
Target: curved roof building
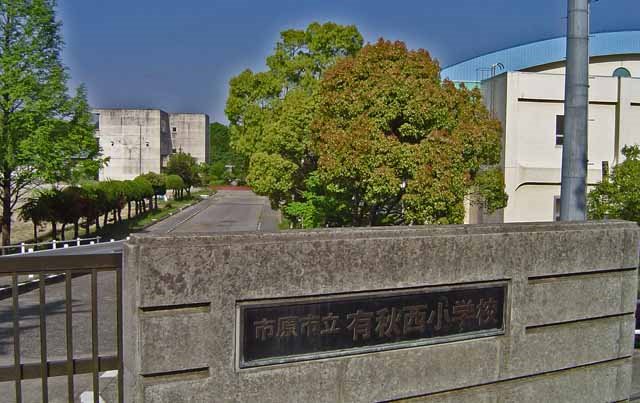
column 540, row 55
column 523, row 87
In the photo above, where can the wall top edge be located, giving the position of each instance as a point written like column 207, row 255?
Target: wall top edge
column 386, row 232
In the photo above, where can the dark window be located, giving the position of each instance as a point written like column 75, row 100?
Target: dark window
column 95, row 120
column 556, row 208
column 173, row 129
column 559, row 129
column 621, row 72
column 173, row 150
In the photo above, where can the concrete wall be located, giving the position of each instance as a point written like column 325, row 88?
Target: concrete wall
column 122, row 131
column 132, row 140
column 569, row 313
column 527, row 105
column 190, row 133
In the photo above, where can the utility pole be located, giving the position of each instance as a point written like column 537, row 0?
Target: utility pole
column 573, row 192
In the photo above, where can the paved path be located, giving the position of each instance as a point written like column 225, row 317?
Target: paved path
column 227, row 211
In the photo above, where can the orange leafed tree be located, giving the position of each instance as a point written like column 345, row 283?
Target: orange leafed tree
column 397, row 145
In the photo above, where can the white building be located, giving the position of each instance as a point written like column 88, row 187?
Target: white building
column 190, row 134
column 138, row 141
column 528, row 98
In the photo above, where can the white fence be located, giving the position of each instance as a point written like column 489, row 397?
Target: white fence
column 23, row 248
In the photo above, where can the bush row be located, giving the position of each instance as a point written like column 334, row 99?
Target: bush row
column 94, row 200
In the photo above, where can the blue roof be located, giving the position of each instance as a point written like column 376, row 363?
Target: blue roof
column 539, row 53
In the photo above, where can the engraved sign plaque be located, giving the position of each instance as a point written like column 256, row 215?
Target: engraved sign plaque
column 280, row 331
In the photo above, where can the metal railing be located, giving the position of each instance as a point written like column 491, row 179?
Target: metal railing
column 25, row 247
column 67, row 267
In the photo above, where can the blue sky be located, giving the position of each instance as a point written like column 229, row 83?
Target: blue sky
column 179, row 56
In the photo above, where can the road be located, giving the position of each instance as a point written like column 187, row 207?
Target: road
column 227, row 211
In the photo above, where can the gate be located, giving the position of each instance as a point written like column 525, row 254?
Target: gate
column 33, row 274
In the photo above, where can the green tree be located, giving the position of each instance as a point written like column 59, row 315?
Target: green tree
column 114, row 199
column 50, row 201
column 35, row 211
column 223, row 154
column 70, row 209
column 45, row 135
column 145, row 189
column 186, row 167
column 176, row 184
column 220, row 142
column 131, row 193
column 618, row 194
column 270, row 112
column 158, row 183
column 92, row 204
column 396, row 145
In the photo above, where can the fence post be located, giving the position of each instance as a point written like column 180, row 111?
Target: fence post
column 78, row 242
column 53, row 244
column 98, row 239
column 22, row 249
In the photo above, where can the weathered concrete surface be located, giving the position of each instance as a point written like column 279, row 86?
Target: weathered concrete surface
column 562, row 342
column 190, row 133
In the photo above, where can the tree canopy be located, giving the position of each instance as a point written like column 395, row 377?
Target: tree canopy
column 396, row 145
column 371, row 136
column 186, row 167
column 222, row 154
column 270, row 112
column 45, row 135
column 618, row 194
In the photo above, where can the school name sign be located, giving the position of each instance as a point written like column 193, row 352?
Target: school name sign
column 280, row 331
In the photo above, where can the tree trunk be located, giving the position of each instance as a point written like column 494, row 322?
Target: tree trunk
column 97, row 222
column 155, row 199
column 54, row 230
column 87, row 226
column 106, row 217
column 35, row 232
column 119, row 215
column 6, row 209
column 62, row 230
column 76, row 229
column 128, row 210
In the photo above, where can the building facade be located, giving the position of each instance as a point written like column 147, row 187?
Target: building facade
column 187, row 134
column 525, row 91
column 137, row 141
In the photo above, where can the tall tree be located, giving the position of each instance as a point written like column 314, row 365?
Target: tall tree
column 222, row 154
column 45, row 135
column 398, row 146
column 270, row 112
